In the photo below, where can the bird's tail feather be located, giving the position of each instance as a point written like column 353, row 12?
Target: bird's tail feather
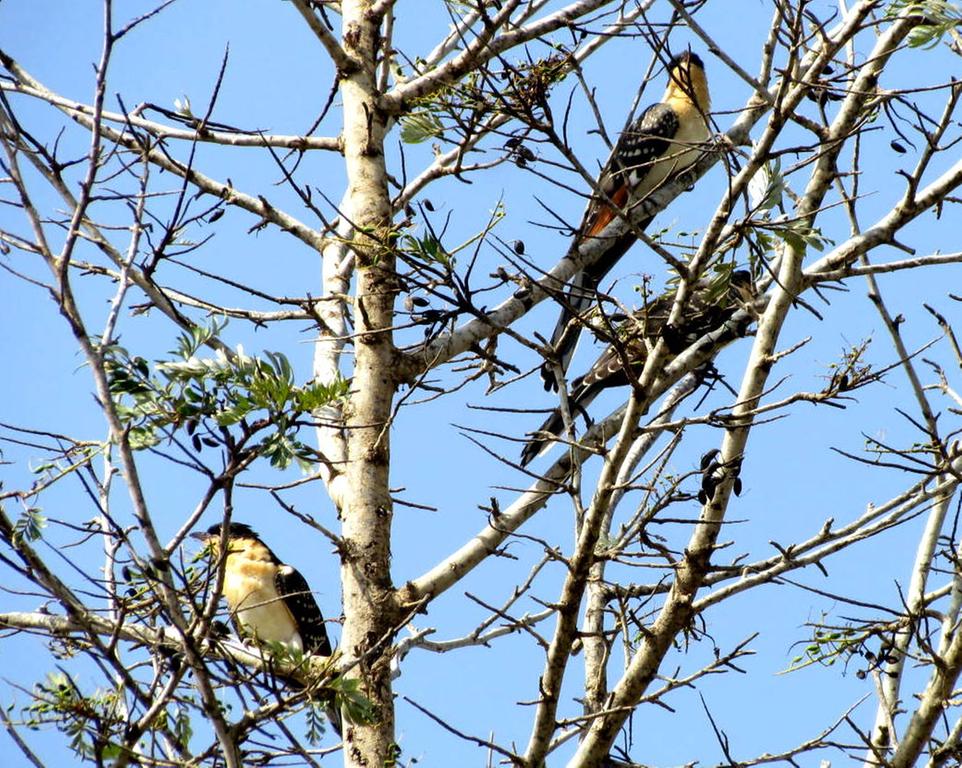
column 333, row 713
column 579, row 297
column 579, row 401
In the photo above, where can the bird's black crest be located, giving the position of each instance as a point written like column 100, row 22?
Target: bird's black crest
column 686, row 57
column 238, row 530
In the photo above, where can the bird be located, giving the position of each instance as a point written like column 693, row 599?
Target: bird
column 268, row 600
column 664, row 140
column 712, row 303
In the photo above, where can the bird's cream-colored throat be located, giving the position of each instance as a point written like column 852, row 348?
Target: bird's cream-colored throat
column 688, row 90
column 249, row 569
column 242, row 551
column 687, row 95
column 248, row 565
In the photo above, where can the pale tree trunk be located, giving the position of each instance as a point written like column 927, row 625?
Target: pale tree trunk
column 369, row 600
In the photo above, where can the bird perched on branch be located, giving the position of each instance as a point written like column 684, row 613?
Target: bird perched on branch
column 268, row 600
column 711, row 305
column 663, row 141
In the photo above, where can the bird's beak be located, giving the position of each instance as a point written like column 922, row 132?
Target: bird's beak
column 200, row 536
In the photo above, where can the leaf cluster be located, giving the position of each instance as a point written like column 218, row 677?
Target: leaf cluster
column 830, row 644
column 94, row 723
column 220, row 401
column 941, row 18
column 518, row 91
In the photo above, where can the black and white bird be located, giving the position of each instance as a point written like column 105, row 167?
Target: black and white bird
column 712, row 304
column 268, row 600
column 665, row 139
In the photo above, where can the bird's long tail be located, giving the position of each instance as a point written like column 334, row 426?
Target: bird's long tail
column 333, row 713
column 553, row 426
column 578, row 299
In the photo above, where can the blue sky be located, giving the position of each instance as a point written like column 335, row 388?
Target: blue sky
column 277, row 80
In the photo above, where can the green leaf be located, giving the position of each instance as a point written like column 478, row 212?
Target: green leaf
column 767, row 186
column 356, row 706
column 420, row 126
column 142, row 437
column 29, row 526
column 316, row 396
column 940, row 18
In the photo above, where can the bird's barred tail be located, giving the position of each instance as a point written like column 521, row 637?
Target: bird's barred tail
column 578, row 299
column 581, row 397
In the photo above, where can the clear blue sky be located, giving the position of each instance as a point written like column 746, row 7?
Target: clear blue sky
column 277, row 80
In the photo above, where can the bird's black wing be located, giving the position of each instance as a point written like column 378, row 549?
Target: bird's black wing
column 648, row 139
column 638, row 148
column 297, row 596
column 299, row 599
